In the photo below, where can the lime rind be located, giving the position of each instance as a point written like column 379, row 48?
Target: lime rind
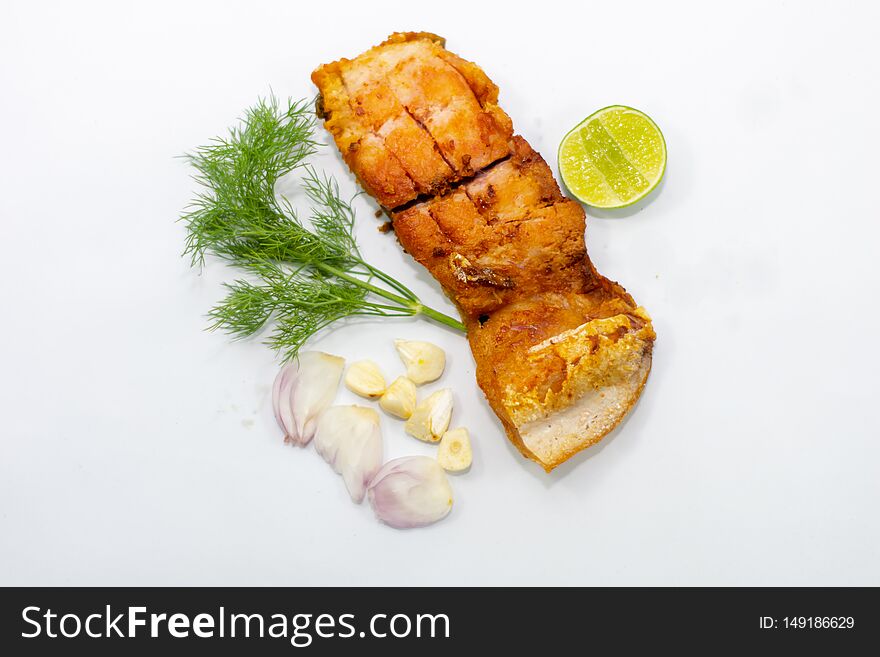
column 613, row 174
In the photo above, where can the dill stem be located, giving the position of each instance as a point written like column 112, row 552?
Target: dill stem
column 413, row 305
column 393, row 282
column 441, row 318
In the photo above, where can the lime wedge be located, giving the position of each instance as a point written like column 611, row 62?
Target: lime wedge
column 613, row 158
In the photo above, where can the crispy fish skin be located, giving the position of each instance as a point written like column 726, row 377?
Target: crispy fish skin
column 410, row 118
column 562, row 352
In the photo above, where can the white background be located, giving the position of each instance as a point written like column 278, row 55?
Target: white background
column 139, row 449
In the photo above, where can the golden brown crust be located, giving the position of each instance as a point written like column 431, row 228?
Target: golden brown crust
column 410, row 118
column 504, row 235
column 562, row 352
column 608, row 351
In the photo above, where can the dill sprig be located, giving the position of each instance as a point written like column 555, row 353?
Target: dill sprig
column 302, row 278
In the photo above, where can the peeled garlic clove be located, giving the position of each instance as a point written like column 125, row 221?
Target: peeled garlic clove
column 454, row 453
column 431, row 418
column 305, row 391
column 349, row 439
column 400, row 398
column 365, row 379
column 412, row 491
column 424, row 361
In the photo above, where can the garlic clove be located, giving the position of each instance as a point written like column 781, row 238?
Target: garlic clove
column 350, row 440
column 454, row 453
column 412, row 491
column 431, row 417
column 400, row 398
column 424, row 361
column 306, row 387
column 365, row 379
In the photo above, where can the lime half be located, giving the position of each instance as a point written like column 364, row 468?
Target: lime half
column 613, row 158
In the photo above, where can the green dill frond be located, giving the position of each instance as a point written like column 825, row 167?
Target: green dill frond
column 245, row 309
column 332, row 217
column 304, row 278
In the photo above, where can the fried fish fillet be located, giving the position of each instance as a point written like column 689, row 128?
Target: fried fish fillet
column 562, row 352
column 409, row 117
